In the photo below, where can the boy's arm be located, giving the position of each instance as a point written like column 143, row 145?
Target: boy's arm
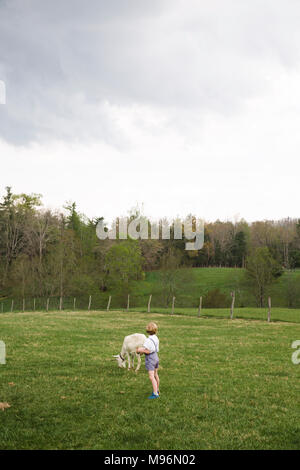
column 143, row 351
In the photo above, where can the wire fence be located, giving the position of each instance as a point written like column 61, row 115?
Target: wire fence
column 98, row 302
column 152, row 304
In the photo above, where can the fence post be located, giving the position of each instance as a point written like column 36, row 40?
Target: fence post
column 60, row 303
column 47, row 305
column 173, row 304
column 74, row 303
column 34, row 305
column 23, row 304
column 149, row 303
column 232, row 304
column 12, row 305
column 269, row 310
column 108, row 303
column 128, row 302
column 200, row 307
column 2, row 307
column 90, row 301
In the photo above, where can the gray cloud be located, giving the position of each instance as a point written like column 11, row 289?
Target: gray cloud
column 65, row 61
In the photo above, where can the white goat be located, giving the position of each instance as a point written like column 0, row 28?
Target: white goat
column 130, row 344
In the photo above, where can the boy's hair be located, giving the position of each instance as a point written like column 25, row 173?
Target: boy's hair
column 152, row 328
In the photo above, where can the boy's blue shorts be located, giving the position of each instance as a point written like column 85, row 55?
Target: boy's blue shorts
column 151, row 361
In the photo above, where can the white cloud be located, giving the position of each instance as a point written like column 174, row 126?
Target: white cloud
column 187, row 107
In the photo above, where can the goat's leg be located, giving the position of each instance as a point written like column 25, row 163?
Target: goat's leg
column 128, row 358
column 139, row 362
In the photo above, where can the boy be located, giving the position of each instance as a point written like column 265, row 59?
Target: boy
column 150, row 349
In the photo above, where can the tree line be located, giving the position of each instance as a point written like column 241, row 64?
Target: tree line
column 45, row 253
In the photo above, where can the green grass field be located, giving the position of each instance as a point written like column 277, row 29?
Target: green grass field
column 224, row 384
column 277, row 314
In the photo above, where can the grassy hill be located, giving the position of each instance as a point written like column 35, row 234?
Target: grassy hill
column 198, row 281
column 192, row 283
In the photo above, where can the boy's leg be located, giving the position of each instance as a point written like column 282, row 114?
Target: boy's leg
column 153, row 381
column 156, row 378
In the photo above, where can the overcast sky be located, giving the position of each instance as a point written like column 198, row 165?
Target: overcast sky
column 182, row 106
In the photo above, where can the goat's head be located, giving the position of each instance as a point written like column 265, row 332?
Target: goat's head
column 120, row 360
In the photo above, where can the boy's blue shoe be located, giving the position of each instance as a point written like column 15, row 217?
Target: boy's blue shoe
column 153, row 396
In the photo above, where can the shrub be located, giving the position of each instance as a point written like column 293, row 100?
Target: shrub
column 216, row 299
